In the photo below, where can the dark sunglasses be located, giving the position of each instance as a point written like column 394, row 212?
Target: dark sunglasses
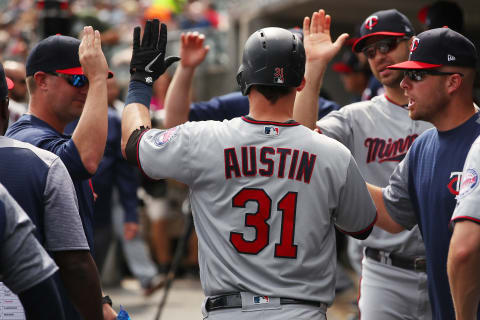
column 75, row 80
column 419, row 75
column 384, row 46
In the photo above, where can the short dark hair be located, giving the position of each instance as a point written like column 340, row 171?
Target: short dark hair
column 273, row 93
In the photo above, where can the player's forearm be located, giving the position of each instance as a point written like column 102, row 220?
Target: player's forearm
column 384, row 220
column 134, row 116
column 177, row 100
column 90, row 135
column 305, row 110
column 80, row 278
column 462, row 267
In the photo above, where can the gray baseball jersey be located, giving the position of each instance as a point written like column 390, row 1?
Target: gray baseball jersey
column 378, row 133
column 265, row 198
column 45, row 191
column 468, row 199
column 23, row 261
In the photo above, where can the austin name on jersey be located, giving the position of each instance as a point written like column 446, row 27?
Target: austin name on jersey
column 247, row 161
column 382, row 150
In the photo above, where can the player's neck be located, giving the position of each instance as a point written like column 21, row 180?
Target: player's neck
column 261, row 109
column 456, row 113
column 396, row 95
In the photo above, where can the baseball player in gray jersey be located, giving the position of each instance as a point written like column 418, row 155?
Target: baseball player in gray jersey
column 266, row 192
column 379, row 133
column 463, row 255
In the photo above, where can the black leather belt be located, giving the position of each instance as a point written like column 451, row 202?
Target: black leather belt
column 235, row 301
column 415, row 264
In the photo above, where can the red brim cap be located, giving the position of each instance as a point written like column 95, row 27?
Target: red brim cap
column 79, row 70
column 10, row 83
column 341, row 67
column 412, row 65
column 359, row 44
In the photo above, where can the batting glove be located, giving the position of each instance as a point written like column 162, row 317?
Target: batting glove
column 148, row 58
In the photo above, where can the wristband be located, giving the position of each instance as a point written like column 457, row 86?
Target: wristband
column 139, row 92
column 107, row 300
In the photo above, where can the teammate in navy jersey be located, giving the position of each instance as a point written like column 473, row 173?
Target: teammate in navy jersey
column 178, row 108
column 438, row 82
column 66, row 79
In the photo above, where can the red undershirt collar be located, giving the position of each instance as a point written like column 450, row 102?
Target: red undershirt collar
column 405, row 106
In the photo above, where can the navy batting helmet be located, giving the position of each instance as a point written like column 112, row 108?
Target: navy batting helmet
column 272, row 57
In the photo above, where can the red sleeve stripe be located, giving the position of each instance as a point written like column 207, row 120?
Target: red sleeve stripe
column 466, row 218
column 370, row 226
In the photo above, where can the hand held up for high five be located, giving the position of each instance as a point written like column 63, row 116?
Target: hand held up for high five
column 91, row 55
column 317, row 40
column 192, row 50
column 148, row 57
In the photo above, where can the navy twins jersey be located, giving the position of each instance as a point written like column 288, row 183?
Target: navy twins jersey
column 423, row 191
column 265, row 198
column 379, row 134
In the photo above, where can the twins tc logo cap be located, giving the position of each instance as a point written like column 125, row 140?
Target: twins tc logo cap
column 385, row 22
column 439, row 47
column 56, row 53
column 5, row 83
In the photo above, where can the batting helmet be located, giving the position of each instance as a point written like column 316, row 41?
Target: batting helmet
column 272, row 57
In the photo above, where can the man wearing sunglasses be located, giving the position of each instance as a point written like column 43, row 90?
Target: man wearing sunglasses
column 438, row 81
column 67, row 79
column 378, row 133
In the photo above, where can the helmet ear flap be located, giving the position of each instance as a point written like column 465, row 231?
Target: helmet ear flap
column 242, row 82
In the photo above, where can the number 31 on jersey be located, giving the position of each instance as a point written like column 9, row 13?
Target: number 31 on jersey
column 258, row 220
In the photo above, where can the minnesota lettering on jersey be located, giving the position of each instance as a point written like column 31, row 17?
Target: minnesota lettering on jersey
column 388, row 150
column 284, row 162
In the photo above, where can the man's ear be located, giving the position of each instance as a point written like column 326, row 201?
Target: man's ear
column 302, row 85
column 40, row 78
column 453, row 82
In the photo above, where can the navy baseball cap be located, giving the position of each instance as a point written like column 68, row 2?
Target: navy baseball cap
column 5, row 83
column 442, row 13
column 439, row 47
column 385, row 22
column 57, row 54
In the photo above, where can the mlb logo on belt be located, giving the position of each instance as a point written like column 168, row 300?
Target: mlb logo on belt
column 260, row 299
column 271, row 131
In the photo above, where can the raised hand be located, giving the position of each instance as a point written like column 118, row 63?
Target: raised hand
column 316, row 38
column 91, row 55
column 192, row 50
column 148, row 57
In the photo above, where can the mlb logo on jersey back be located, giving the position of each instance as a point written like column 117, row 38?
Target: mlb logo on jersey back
column 272, row 131
column 261, row 299
column 469, row 182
